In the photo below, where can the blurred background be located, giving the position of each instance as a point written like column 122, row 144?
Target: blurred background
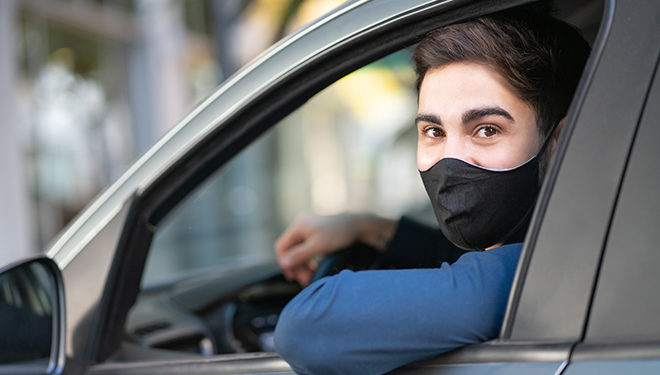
column 86, row 86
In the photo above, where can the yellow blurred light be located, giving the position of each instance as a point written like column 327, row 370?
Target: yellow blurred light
column 313, row 9
column 367, row 89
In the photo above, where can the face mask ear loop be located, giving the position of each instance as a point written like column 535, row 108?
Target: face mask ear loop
column 523, row 221
column 528, row 214
column 547, row 139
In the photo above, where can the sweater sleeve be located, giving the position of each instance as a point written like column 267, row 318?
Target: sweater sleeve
column 416, row 245
column 371, row 322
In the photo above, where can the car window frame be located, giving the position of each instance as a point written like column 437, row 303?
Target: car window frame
column 152, row 203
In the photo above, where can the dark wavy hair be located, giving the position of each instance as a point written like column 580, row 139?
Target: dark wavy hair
column 540, row 57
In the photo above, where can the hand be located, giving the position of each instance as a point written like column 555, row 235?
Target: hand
column 311, row 236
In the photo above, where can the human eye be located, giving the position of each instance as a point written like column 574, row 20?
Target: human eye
column 433, row 132
column 487, row 131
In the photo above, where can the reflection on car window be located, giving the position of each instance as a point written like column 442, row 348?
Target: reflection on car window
column 26, row 314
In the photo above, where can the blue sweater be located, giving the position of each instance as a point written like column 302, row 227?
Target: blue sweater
column 371, row 322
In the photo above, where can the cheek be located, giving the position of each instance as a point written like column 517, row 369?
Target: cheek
column 513, row 153
column 427, row 156
column 531, row 145
column 502, row 158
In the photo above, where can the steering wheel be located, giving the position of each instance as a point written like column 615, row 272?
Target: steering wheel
column 358, row 256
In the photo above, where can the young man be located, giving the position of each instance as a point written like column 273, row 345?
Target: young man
column 492, row 95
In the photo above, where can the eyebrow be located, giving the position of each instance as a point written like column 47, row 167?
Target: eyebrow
column 478, row 113
column 468, row 116
column 427, row 118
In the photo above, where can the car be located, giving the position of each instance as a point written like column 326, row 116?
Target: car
column 584, row 299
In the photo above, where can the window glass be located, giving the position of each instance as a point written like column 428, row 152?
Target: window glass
column 626, row 305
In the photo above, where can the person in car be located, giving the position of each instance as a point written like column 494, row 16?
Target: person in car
column 493, row 92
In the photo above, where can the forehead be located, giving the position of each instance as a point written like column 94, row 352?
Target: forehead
column 465, row 85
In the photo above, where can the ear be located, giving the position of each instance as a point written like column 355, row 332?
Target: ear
column 555, row 136
column 558, row 129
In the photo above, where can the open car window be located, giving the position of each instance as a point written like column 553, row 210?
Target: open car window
column 210, row 273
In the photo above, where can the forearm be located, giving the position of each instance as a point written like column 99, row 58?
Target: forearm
column 371, row 322
column 373, row 230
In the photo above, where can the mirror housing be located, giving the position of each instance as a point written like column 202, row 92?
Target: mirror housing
column 32, row 318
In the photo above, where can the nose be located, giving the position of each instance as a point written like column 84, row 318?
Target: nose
column 454, row 147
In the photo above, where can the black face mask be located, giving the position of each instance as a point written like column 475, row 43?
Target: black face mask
column 478, row 207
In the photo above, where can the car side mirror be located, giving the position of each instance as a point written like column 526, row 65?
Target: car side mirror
column 31, row 318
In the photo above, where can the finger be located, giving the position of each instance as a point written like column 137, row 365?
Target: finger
column 300, row 274
column 303, row 276
column 290, row 275
column 292, row 236
column 300, row 254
